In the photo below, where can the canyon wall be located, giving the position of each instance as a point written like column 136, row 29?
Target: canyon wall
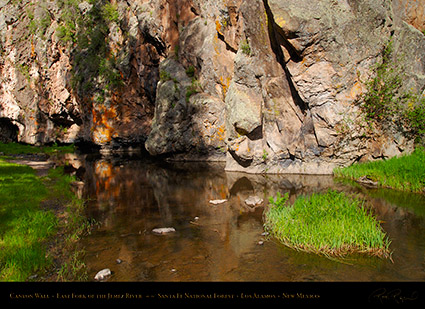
column 269, row 86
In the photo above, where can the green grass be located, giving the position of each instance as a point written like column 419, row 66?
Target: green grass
column 331, row 224
column 24, row 226
column 403, row 173
column 28, row 228
column 71, row 226
column 17, row 148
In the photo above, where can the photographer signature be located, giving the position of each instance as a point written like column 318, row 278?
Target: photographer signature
column 396, row 296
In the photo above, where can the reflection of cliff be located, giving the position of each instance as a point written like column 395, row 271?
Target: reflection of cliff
column 186, row 190
column 243, row 185
column 131, row 198
column 112, row 187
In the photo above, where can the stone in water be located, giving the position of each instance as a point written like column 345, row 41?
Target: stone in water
column 253, row 200
column 103, row 274
column 163, row 230
column 215, row 202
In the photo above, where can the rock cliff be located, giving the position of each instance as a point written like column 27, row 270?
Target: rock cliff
column 265, row 85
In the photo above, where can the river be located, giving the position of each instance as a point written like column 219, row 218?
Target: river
column 129, row 198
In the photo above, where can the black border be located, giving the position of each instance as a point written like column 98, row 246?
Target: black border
column 343, row 293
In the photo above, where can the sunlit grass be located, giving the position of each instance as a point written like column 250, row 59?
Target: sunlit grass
column 24, row 226
column 403, row 173
column 17, row 148
column 331, row 223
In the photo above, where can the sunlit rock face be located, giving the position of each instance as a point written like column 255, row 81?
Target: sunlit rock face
column 266, row 86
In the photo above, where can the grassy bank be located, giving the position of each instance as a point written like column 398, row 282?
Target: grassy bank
column 24, row 226
column 17, row 148
column 35, row 213
column 332, row 224
column 403, row 173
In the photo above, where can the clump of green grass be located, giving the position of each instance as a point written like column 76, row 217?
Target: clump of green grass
column 406, row 172
column 332, row 224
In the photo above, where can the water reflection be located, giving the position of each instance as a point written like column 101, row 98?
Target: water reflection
column 222, row 242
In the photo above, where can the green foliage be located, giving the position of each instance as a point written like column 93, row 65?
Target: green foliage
column 265, row 155
column 24, row 70
column 190, row 71
column 110, row 74
column 415, row 115
column 94, row 64
column 331, row 223
column 246, row 49
column 381, row 99
column 70, row 18
column 403, row 173
column 65, row 34
column 279, row 200
column 38, row 26
column 194, row 88
column 110, row 13
column 164, row 76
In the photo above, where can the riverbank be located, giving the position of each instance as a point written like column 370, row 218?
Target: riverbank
column 40, row 216
column 405, row 173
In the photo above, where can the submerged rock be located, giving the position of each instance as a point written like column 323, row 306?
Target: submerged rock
column 253, row 201
column 163, row 230
column 364, row 180
column 216, row 202
column 103, row 274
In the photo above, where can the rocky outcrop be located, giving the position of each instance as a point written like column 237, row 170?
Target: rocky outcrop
column 267, row 86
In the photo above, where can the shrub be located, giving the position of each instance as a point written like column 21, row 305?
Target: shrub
column 380, row 100
column 415, row 115
column 384, row 101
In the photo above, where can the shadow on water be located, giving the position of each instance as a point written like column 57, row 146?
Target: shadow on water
column 224, row 242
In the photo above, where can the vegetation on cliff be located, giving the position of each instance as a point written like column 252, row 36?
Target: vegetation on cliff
column 386, row 101
column 387, row 104
column 86, row 26
column 332, row 223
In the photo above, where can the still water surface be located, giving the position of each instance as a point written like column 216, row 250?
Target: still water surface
column 225, row 242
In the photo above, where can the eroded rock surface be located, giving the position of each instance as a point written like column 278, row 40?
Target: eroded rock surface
column 267, row 86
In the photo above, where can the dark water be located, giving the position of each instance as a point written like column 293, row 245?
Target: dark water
column 224, row 242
